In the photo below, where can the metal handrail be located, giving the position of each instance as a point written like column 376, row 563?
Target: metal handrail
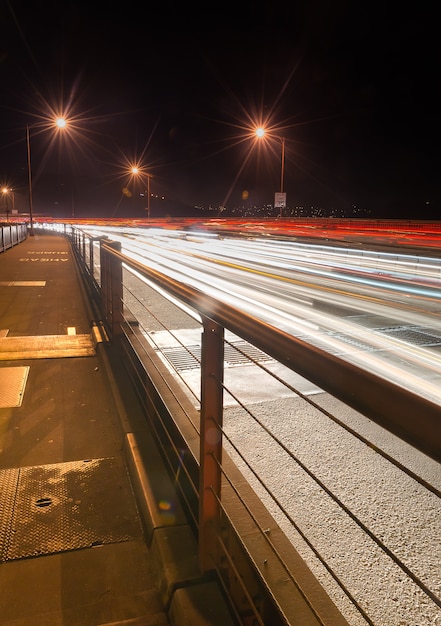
column 12, row 234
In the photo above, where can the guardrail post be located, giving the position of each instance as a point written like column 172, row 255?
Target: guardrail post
column 91, row 256
column 212, row 375
column 83, row 245
column 112, row 287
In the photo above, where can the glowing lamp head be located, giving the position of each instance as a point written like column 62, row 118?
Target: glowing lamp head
column 260, row 132
column 60, row 122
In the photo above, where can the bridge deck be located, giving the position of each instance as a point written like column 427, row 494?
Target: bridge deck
column 74, row 468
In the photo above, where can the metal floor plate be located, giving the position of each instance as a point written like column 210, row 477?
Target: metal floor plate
column 54, row 508
column 12, row 385
column 45, row 347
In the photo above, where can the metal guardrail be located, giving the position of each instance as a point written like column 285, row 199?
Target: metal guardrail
column 11, row 235
column 260, row 569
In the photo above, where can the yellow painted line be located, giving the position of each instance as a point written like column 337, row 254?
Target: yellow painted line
column 302, row 283
column 24, row 283
column 99, row 333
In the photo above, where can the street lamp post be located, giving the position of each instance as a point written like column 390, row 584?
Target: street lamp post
column 60, row 122
column 136, row 171
column 148, row 196
column 31, row 213
column 280, row 198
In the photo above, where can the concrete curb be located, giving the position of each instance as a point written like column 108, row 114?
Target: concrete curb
column 188, row 595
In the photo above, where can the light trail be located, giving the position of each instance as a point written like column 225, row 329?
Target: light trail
column 348, row 301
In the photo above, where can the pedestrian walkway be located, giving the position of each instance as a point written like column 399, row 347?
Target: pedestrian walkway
column 76, row 547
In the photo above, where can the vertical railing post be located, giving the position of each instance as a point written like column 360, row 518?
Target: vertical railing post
column 83, row 246
column 91, row 253
column 111, row 287
column 212, row 376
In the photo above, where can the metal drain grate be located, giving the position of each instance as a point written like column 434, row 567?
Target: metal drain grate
column 340, row 337
column 189, row 357
column 250, row 354
column 353, row 342
column 65, row 506
column 412, row 334
column 183, row 358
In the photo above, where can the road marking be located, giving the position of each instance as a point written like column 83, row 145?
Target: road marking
column 23, row 283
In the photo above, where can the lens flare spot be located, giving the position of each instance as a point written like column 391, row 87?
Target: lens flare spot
column 164, row 505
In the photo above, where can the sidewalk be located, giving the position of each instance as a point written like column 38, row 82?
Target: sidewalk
column 73, row 544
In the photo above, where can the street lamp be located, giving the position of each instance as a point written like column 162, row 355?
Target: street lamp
column 5, row 192
column 148, row 196
column 60, row 122
column 280, row 198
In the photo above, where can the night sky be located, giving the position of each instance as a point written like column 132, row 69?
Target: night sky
column 352, row 87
